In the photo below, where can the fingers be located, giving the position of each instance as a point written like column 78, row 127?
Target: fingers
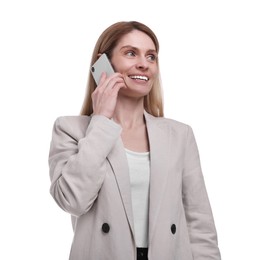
column 110, row 85
column 105, row 95
column 109, row 82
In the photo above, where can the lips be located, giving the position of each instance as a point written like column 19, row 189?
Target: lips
column 139, row 77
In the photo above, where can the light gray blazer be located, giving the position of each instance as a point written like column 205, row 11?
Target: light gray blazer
column 90, row 180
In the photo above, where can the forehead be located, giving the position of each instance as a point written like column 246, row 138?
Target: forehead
column 136, row 39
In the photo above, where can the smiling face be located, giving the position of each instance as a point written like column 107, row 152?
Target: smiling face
column 135, row 57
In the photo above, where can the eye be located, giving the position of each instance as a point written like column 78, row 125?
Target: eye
column 151, row 57
column 130, row 53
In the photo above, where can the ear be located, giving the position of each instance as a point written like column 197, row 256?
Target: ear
column 99, row 54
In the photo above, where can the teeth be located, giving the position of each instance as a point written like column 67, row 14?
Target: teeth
column 139, row 77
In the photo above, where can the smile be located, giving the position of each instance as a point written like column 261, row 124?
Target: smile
column 139, row 77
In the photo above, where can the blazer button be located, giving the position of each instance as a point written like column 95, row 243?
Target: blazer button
column 105, row 228
column 173, row 229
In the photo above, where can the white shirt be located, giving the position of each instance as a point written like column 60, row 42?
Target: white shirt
column 139, row 170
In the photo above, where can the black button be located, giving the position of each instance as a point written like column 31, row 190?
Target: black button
column 105, row 228
column 173, row 229
column 93, row 69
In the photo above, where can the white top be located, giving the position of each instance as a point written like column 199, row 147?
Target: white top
column 139, row 170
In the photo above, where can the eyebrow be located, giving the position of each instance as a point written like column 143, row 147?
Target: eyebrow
column 135, row 48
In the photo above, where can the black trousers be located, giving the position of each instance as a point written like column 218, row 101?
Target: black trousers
column 142, row 253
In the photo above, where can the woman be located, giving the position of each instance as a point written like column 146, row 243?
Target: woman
column 130, row 178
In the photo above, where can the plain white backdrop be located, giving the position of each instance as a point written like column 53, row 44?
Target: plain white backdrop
column 211, row 65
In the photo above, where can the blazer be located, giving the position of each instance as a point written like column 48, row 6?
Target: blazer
column 90, row 180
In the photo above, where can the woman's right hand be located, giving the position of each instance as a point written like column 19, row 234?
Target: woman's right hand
column 105, row 95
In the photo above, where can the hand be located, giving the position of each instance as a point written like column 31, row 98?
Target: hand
column 105, row 95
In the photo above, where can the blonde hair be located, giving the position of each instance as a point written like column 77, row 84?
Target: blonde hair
column 153, row 102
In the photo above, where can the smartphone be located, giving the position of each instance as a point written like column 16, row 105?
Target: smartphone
column 101, row 65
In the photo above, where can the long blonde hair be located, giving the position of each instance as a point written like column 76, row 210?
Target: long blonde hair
column 153, row 102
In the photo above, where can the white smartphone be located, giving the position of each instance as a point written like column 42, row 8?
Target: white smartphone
column 101, row 65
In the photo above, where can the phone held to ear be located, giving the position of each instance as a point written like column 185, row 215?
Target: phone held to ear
column 101, row 65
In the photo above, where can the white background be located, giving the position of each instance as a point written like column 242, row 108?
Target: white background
column 211, row 64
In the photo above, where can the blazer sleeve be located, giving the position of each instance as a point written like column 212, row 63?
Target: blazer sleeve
column 201, row 226
column 78, row 165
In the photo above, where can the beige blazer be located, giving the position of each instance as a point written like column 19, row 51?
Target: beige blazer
column 90, row 180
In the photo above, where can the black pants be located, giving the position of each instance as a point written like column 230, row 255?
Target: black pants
column 141, row 253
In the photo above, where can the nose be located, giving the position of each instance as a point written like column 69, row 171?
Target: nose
column 142, row 63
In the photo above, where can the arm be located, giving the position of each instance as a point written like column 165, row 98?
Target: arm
column 201, row 227
column 78, row 167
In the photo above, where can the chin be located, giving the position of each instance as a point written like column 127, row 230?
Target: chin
column 134, row 92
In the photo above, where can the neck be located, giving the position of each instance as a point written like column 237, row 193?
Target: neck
column 129, row 113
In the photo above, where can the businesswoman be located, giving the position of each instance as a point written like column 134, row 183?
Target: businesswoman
column 130, row 178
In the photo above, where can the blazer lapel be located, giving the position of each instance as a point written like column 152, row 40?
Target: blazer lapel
column 118, row 161
column 159, row 136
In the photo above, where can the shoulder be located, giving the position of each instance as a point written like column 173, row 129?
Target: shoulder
column 75, row 126
column 73, row 120
column 169, row 123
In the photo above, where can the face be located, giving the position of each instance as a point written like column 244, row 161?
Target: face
column 135, row 57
